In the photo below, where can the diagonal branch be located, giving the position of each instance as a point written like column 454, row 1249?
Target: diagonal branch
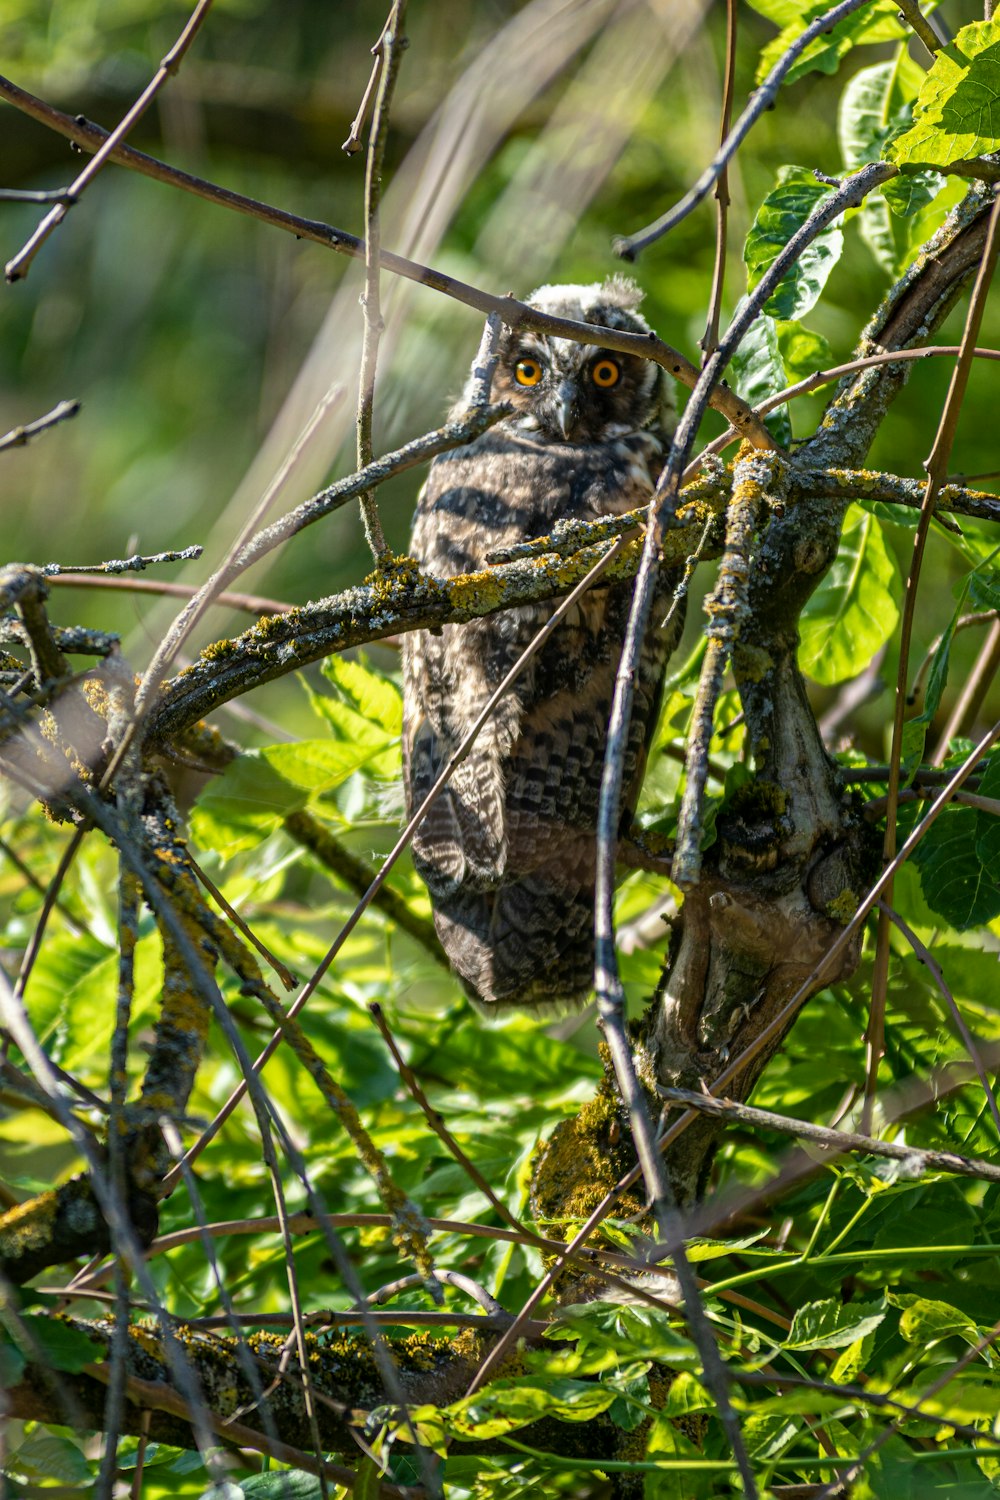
column 18, row 268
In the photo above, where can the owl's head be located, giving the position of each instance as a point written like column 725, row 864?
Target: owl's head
column 580, row 393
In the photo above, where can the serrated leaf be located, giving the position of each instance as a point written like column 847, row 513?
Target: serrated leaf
column 957, row 113
column 375, row 697
column 873, row 23
column 833, row 1324
column 759, row 373
column 784, row 210
column 854, row 611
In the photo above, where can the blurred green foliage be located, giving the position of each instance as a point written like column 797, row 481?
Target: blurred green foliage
column 190, row 334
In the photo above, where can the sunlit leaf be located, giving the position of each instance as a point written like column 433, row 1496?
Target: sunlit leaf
column 832, row 1324
column 785, row 209
column 853, row 612
column 957, row 114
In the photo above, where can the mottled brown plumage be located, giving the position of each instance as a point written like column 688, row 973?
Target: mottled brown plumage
column 508, row 849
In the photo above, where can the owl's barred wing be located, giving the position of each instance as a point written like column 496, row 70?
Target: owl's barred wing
column 520, row 932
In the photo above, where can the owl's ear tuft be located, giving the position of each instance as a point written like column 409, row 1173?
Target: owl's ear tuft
column 622, row 291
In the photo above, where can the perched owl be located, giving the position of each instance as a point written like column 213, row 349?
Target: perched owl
column 508, row 849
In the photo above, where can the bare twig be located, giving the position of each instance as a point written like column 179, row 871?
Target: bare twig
column 389, row 48
column 727, row 608
column 837, row 1142
column 137, row 563
column 18, row 268
column 934, row 969
column 353, row 143
column 516, row 314
column 760, row 100
column 909, row 11
column 711, row 335
column 19, row 436
column 437, row 1124
column 283, row 972
column 253, row 604
column 974, row 690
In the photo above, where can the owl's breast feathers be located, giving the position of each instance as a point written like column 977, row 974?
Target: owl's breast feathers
column 508, row 849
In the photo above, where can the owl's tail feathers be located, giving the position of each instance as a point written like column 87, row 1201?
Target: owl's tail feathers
column 524, row 944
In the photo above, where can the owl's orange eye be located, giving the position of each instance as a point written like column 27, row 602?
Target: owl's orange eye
column 605, row 373
column 527, row 372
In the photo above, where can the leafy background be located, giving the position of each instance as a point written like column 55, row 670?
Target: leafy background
column 198, row 341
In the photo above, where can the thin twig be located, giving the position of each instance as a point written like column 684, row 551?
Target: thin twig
column 710, row 337
column 389, row 50
column 607, row 981
column 516, row 314
column 937, row 471
column 760, row 100
column 909, row 11
column 353, row 143
column 727, row 608
column 974, row 690
column 18, row 268
column 837, row 1142
column 19, row 436
column 254, row 604
column 137, row 563
column 283, row 972
column 436, row 1121
column 964, row 622
column 934, row 969
column 306, row 829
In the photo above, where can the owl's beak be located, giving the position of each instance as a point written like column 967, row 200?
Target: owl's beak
column 566, row 408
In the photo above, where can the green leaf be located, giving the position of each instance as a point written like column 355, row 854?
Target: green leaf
column 848, row 1366
column 833, row 1324
column 51, row 1457
column 873, row 23
column 507, row 1405
column 759, row 372
column 955, row 881
column 375, row 697
column 803, row 351
column 665, row 1442
column 925, row 1321
column 957, row 113
column 854, row 611
column 59, row 1345
column 876, row 106
column 242, row 806
column 318, row 766
column 783, row 211
column 288, row 1484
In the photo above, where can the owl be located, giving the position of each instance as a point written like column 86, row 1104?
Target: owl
column 508, row 849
